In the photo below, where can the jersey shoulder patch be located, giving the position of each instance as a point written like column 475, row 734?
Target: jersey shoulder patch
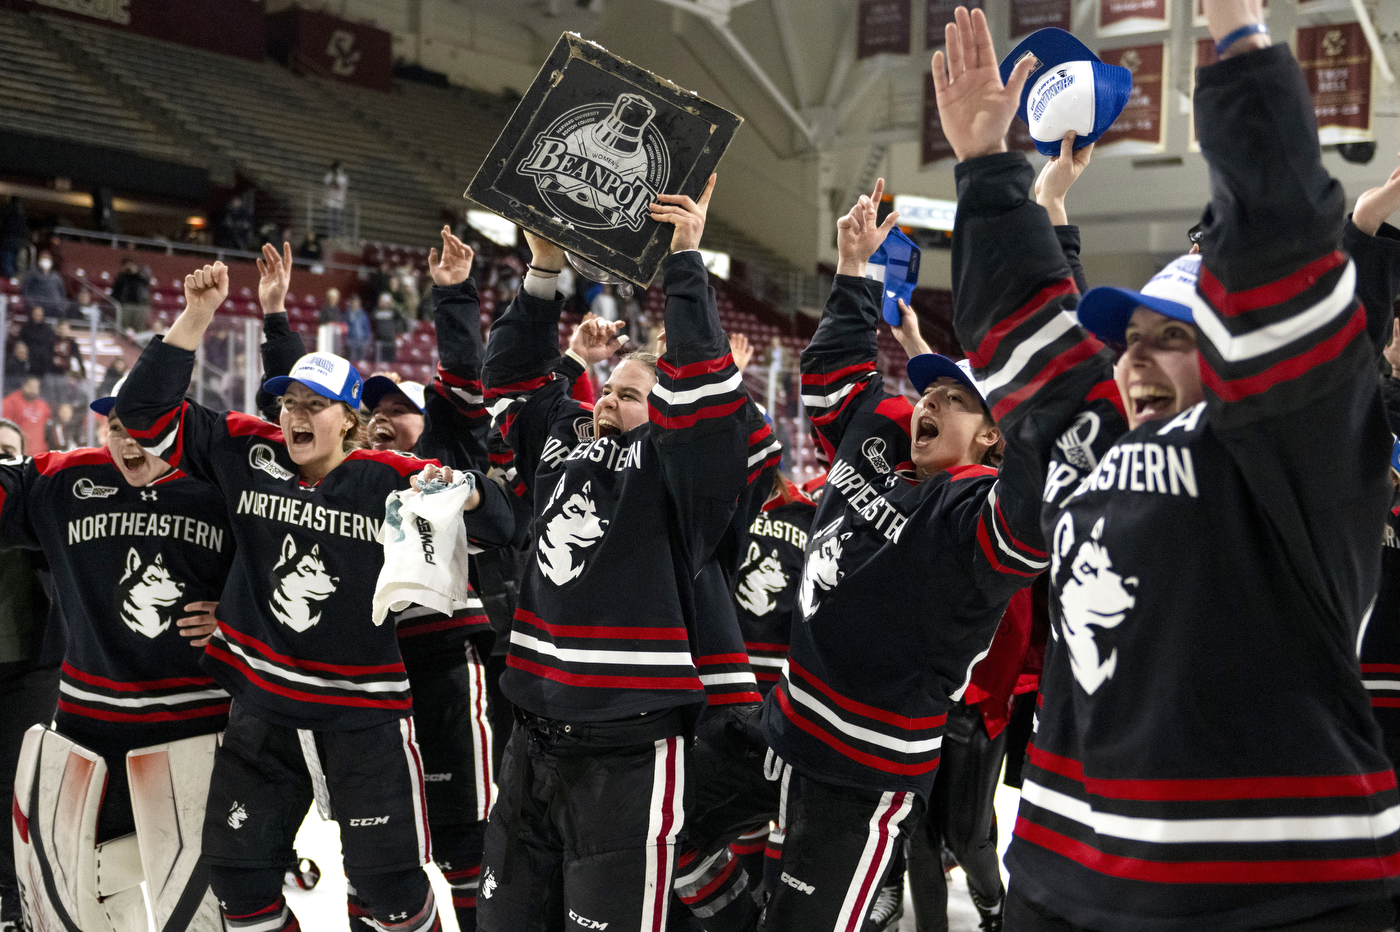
column 246, row 425
column 50, row 464
column 897, row 409
column 405, row 464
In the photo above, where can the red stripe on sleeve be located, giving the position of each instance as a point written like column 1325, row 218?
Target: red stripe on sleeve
column 1274, row 293
column 1323, row 352
column 1060, row 364
column 826, row 378
column 988, row 347
column 690, row 370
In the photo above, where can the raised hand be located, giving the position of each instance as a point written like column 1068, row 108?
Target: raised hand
column 687, row 215
column 596, row 339
column 544, row 254
column 1225, row 16
column 274, row 278
column 1392, row 349
column 199, row 625
column 858, row 235
column 205, row 289
column 433, row 471
column 907, row 333
column 1059, row 175
column 974, row 107
column 455, row 266
column 741, row 350
column 1375, row 206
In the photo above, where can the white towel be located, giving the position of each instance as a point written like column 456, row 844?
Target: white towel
column 425, row 548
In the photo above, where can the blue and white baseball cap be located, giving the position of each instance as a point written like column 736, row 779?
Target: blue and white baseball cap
column 1106, row 311
column 326, row 374
column 1395, row 455
column 896, row 263
column 927, row 368
column 377, row 386
column 103, row 406
column 1070, row 89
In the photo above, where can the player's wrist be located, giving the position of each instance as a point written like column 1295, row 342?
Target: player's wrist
column 852, row 267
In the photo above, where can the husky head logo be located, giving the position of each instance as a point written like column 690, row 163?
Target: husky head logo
column 822, row 570
column 261, row 457
column 488, row 884
column 1077, row 443
column 237, row 815
column 1094, row 598
column 874, row 450
column 299, row 581
column 575, row 526
column 761, row 578
column 599, row 166
column 84, row 488
column 148, row 595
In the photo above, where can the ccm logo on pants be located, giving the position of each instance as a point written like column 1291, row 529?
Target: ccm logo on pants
column 377, row 820
column 796, row 884
column 587, row 923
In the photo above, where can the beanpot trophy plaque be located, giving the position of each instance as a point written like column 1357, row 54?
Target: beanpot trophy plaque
column 593, row 142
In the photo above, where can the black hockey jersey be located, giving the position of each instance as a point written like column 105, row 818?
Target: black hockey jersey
column 765, row 592
column 126, row 562
column 903, row 582
column 1204, row 758
column 605, row 628
column 295, row 642
column 455, row 425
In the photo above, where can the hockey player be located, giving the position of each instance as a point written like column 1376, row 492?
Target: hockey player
column 322, row 706
column 1203, row 758
column 629, row 502
column 442, row 654
column 911, row 514
column 139, row 553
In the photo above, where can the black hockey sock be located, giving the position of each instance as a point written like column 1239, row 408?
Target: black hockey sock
column 252, row 898
column 457, row 850
column 399, row 901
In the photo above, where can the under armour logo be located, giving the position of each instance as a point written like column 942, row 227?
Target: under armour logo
column 397, row 917
column 148, row 495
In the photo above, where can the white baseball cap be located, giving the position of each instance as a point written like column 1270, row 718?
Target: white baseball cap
column 1069, row 89
column 326, row 374
column 378, row 386
column 1106, row 311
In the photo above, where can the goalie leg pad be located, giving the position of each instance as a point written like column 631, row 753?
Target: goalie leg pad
column 61, row 869
column 169, row 787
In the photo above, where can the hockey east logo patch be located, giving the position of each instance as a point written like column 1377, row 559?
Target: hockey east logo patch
column 148, row 595
column 568, row 534
column 761, row 577
column 300, row 583
column 1094, row 597
column 600, row 166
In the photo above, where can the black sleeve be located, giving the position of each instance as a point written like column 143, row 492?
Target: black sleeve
column 281, row 349
column 1377, row 261
column 838, row 365
column 153, row 409
column 455, row 422
column 1069, row 243
column 17, row 479
column 1390, row 400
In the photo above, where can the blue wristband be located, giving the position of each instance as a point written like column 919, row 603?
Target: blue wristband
column 1250, row 30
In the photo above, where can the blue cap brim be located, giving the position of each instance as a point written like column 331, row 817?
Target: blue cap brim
column 927, row 368
column 1053, row 47
column 1105, row 311
column 377, row 386
column 103, row 406
column 1395, row 456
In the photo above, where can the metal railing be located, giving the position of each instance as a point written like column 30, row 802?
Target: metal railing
column 330, row 222
column 121, row 241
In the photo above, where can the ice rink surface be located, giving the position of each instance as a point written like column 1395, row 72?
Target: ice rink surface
column 323, row 909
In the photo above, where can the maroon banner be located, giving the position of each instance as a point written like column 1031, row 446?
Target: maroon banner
column 233, row 27
column 1029, row 15
column 1336, row 62
column 1121, row 17
column 1143, row 120
column 883, row 26
column 935, row 144
column 315, row 43
column 939, row 13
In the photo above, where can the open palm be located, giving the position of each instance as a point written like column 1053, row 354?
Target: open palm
column 974, row 107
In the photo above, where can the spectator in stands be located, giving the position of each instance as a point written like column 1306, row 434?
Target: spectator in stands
column 83, row 307
column 66, row 370
column 268, row 233
column 330, row 308
column 310, row 247
column 116, row 369
column 337, row 184
column 40, row 338
column 14, row 236
column 604, row 304
column 27, row 408
column 44, row 285
column 406, row 291
column 386, row 329
column 132, row 290
column 381, row 281
column 236, row 229
column 358, row 333
column 19, row 365
column 61, row 432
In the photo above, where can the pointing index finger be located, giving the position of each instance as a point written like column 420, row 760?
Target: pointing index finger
column 709, row 189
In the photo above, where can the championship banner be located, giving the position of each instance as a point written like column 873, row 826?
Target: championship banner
column 1125, row 17
column 1142, row 126
column 593, row 142
column 316, row 43
column 1202, row 54
column 1029, row 15
column 939, row 13
column 1336, row 63
column 882, row 27
column 1198, row 11
column 935, row 146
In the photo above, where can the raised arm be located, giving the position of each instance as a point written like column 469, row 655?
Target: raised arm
column 838, row 365
column 1375, row 247
column 455, row 420
column 281, row 346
